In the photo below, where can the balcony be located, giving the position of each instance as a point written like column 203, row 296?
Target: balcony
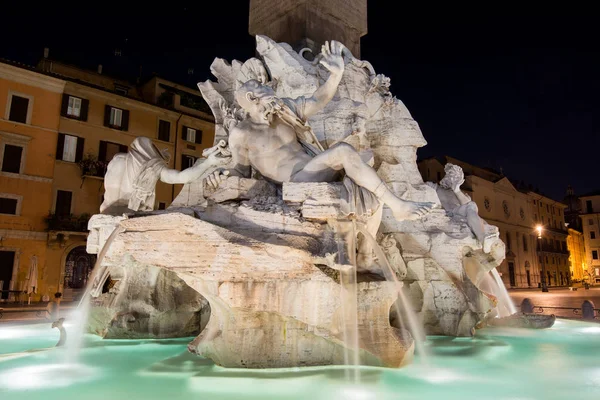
column 68, row 223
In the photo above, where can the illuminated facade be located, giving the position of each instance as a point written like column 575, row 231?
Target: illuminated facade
column 53, row 161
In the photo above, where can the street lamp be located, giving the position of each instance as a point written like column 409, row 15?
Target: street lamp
column 539, row 230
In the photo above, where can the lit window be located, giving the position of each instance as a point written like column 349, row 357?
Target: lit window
column 116, row 116
column 191, row 135
column 70, row 148
column 74, row 108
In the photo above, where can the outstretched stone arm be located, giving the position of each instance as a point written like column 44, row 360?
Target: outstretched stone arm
column 334, row 62
column 173, row 176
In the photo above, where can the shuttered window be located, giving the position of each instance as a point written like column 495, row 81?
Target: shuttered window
column 74, row 107
column 69, row 148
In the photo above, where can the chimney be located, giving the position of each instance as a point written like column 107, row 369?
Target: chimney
column 99, row 68
column 46, row 52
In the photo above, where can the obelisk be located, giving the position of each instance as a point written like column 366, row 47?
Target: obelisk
column 309, row 23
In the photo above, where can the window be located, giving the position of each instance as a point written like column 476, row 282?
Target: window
column 595, row 254
column 187, row 161
column 162, row 206
column 535, row 217
column 108, row 150
column 525, row 242
column 11, row 159
column 69, row 148
column 547, row 208
column 191, row 134
column 122, row 90
column 63, row 203
column 19, row 109
column 508, row 241
column 534, row 202
column 74, row 107
column 588, row 206
column 164, row 130
column 9, row 205
column 590, row 221
column 116, row 118
column 592, row 235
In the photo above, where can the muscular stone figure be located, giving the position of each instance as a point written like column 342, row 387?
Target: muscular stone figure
column 269, row 140
column 456, row 203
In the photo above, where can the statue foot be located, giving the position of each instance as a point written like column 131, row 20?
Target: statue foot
column 409, row 210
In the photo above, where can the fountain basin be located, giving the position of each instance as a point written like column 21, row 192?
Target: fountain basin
column 500, row 363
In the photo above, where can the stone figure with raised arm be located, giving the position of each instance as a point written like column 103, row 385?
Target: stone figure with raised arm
column 276, row 141
column 458, row 204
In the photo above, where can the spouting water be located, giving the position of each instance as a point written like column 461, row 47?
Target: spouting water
column 80, row 316
column 415, row 327
column 349, row 297
column 505, row 305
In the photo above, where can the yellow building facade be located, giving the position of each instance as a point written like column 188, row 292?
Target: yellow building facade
column 30, row 106
column 590, row 222
column 577, row 261
column 72, row 135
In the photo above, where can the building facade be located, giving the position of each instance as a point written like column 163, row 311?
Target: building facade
column 82, row 124
column 577, row 256
column 29, row 123
column 590, row 221
column 515, row 212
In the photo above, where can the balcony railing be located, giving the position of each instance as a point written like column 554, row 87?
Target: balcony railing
column 70, row 223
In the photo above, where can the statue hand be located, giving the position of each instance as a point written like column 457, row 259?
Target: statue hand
column 332, row 57
column 214, row 179
column 458, row 184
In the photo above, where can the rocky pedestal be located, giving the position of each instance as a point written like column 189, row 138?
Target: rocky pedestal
column 270, row 305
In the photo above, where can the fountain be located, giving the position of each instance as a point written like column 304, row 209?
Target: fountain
column 338, row 275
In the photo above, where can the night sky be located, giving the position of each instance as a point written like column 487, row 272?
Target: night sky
column 513, row 93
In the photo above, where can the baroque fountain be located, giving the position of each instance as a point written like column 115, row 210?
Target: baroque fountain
column 305, row 238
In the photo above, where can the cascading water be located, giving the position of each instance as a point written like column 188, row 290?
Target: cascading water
column 349, row 297
column 505, row 305
column 80, row 316
column 414, row 326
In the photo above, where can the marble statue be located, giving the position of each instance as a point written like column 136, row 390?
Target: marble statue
column 267, row 140
column 307, row 153
column 130, row 180
column 458, row 204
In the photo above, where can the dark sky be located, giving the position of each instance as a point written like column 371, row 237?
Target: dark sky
column 517, row 93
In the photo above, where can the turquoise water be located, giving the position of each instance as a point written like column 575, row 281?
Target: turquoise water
column 558, row 363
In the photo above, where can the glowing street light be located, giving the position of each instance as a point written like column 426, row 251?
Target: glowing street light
column 540, row 229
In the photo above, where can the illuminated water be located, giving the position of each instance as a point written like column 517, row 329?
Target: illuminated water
column 558, row 363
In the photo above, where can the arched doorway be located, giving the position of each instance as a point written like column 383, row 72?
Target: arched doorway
column 78, row 267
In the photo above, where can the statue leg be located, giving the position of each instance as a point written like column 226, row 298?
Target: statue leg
column 471, row 212
column 343, row 156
